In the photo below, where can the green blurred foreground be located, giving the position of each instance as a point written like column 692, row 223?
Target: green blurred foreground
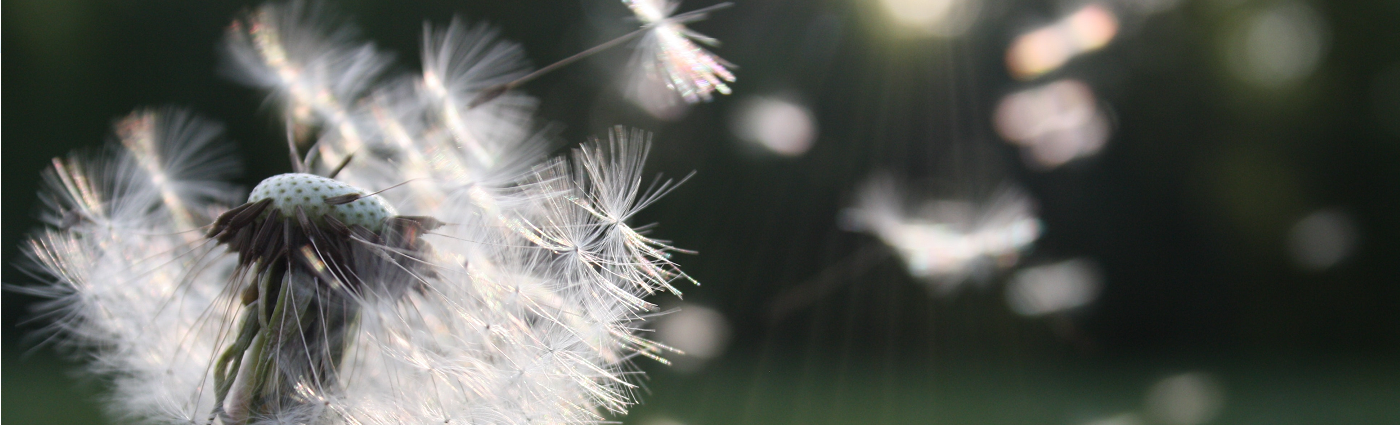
column 772, row 391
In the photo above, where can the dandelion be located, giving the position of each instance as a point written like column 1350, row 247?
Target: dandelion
column 668, row 50
column 947, row 241
column 484, row 283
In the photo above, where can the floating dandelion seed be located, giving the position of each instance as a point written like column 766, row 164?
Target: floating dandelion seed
column 949, row 241
column 667, row 51
column 690, row 70
column 310, row 63
column 492, row 286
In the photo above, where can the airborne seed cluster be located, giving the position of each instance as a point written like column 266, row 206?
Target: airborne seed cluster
column 291, row 190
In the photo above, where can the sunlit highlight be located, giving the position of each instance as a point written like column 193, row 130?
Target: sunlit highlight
column 1322, row 239
column 1053, row 124
column 1051, row 288
column 700, row 332
column 657, row 100
column 783, row 127
column 1278, row 46
column 934, row 17
column 1046, row 49
column 1187, row 399
column 1126, row 418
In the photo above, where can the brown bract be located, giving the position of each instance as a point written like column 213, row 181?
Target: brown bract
column 269, row 240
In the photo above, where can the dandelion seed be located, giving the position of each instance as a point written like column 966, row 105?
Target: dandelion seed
column 668, row 52
column 948, row 241
column 461, row 61
column 666, row 48
column 189, row 166
column 120, row 280
column 482, row 284
column 312, row 65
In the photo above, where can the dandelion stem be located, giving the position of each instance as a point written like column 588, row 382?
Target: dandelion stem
column 232, row 358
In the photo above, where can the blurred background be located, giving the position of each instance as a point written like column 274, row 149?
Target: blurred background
column 910, row 211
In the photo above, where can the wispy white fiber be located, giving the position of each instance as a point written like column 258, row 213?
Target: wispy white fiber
column 128, row 285
column 311, row 64
column 309, row 61
column 507, row 287
column 459, row 62
column 668, row 51
column 947, row 241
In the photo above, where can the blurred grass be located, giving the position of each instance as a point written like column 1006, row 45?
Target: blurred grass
column 39, row 388
column 785, row 391
column 799, row 389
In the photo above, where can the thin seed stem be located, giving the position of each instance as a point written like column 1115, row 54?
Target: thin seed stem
column 297, row 166
column 342, row 165
column 500, row 89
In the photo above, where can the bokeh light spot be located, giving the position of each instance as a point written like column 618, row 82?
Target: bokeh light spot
column 1186, row 399
column 1040, row 290
column 947, row 18
column 1278, row 46
column 702, row 333
column 1322, row 239
column 1047, row 48
column 781, row 126
column 1127, row 418
column 1053, row 124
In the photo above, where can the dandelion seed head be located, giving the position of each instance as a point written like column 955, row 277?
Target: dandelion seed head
column 310, row 193
column 513, row 295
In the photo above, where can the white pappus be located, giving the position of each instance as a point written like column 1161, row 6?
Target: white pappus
column 668, row 51
column 486, row 284
column 946, row 241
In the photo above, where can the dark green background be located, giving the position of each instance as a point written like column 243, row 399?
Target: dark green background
column 1187, row 209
